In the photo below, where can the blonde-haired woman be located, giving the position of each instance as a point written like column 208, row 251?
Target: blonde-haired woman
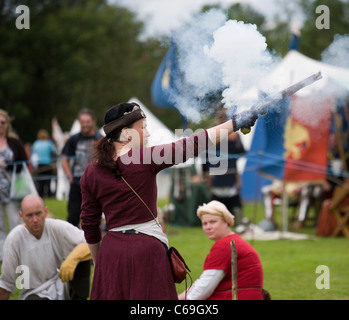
column 11, row 150
column 215, row 281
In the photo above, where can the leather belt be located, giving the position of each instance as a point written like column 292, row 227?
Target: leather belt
column 130, row 231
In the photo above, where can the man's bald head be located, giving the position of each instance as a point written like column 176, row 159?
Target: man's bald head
column 30, row 200
column 33, row 213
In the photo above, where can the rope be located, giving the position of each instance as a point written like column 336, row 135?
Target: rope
column 269, row 159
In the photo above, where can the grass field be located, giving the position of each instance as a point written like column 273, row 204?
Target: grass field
column 289, row 265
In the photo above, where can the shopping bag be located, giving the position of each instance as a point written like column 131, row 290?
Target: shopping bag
column 22, row 183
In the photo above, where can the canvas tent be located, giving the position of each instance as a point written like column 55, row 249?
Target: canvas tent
column 292, row 68
column 295, row 67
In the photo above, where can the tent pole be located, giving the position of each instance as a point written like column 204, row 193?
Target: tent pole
column 338, row 125
column 256, row 200
column 284, row 209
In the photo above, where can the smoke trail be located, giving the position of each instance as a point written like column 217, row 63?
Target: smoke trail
column 241, row 51
column 201, row 76
column 337, row 52
column 218, row 60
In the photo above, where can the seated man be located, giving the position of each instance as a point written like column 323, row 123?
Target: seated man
column 41, row 257
column 301, row 195
column 274, row 192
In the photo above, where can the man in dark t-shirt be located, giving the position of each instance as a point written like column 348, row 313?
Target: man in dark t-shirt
column 76, row 155
column 225, row 185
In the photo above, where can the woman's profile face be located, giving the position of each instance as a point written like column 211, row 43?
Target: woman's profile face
column 3, row 126
column 214, row 227
column 140, row 133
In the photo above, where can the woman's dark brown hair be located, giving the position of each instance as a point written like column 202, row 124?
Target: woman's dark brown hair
column 116, row 118
column 104, row 152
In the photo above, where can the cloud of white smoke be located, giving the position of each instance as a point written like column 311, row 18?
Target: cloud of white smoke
column 337, row 52
column 218, row 60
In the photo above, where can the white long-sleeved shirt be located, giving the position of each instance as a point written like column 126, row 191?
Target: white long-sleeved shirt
column 206, row 284
column 41, row 258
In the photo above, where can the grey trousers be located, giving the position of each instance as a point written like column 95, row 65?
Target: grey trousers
column 11, row 209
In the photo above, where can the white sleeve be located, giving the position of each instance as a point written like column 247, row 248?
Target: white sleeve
column 10, row 263
column 206, row 284
column 64, row 236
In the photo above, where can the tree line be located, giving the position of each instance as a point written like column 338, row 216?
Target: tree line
column 89, row 53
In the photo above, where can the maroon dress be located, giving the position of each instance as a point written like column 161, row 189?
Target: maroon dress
column 131, row 266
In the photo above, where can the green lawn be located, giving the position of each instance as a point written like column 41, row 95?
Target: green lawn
column 289, row 265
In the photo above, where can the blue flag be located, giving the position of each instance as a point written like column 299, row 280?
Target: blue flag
column 166, row 83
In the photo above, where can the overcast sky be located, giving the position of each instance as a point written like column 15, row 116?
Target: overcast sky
column 162, row 16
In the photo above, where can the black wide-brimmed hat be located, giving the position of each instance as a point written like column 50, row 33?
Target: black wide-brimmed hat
column 122, row 115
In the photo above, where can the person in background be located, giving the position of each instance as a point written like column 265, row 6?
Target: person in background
column 215, row 282
column 76, row 155
column 226, row 187
column 42, row 156
column 11, row 151
column 50, row 252
column 273, row 193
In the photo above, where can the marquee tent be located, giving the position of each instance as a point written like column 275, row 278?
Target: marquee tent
column 291, row 69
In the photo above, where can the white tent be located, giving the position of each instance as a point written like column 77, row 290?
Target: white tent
column 60, row 137
column 292, row 68
column 295, row 67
